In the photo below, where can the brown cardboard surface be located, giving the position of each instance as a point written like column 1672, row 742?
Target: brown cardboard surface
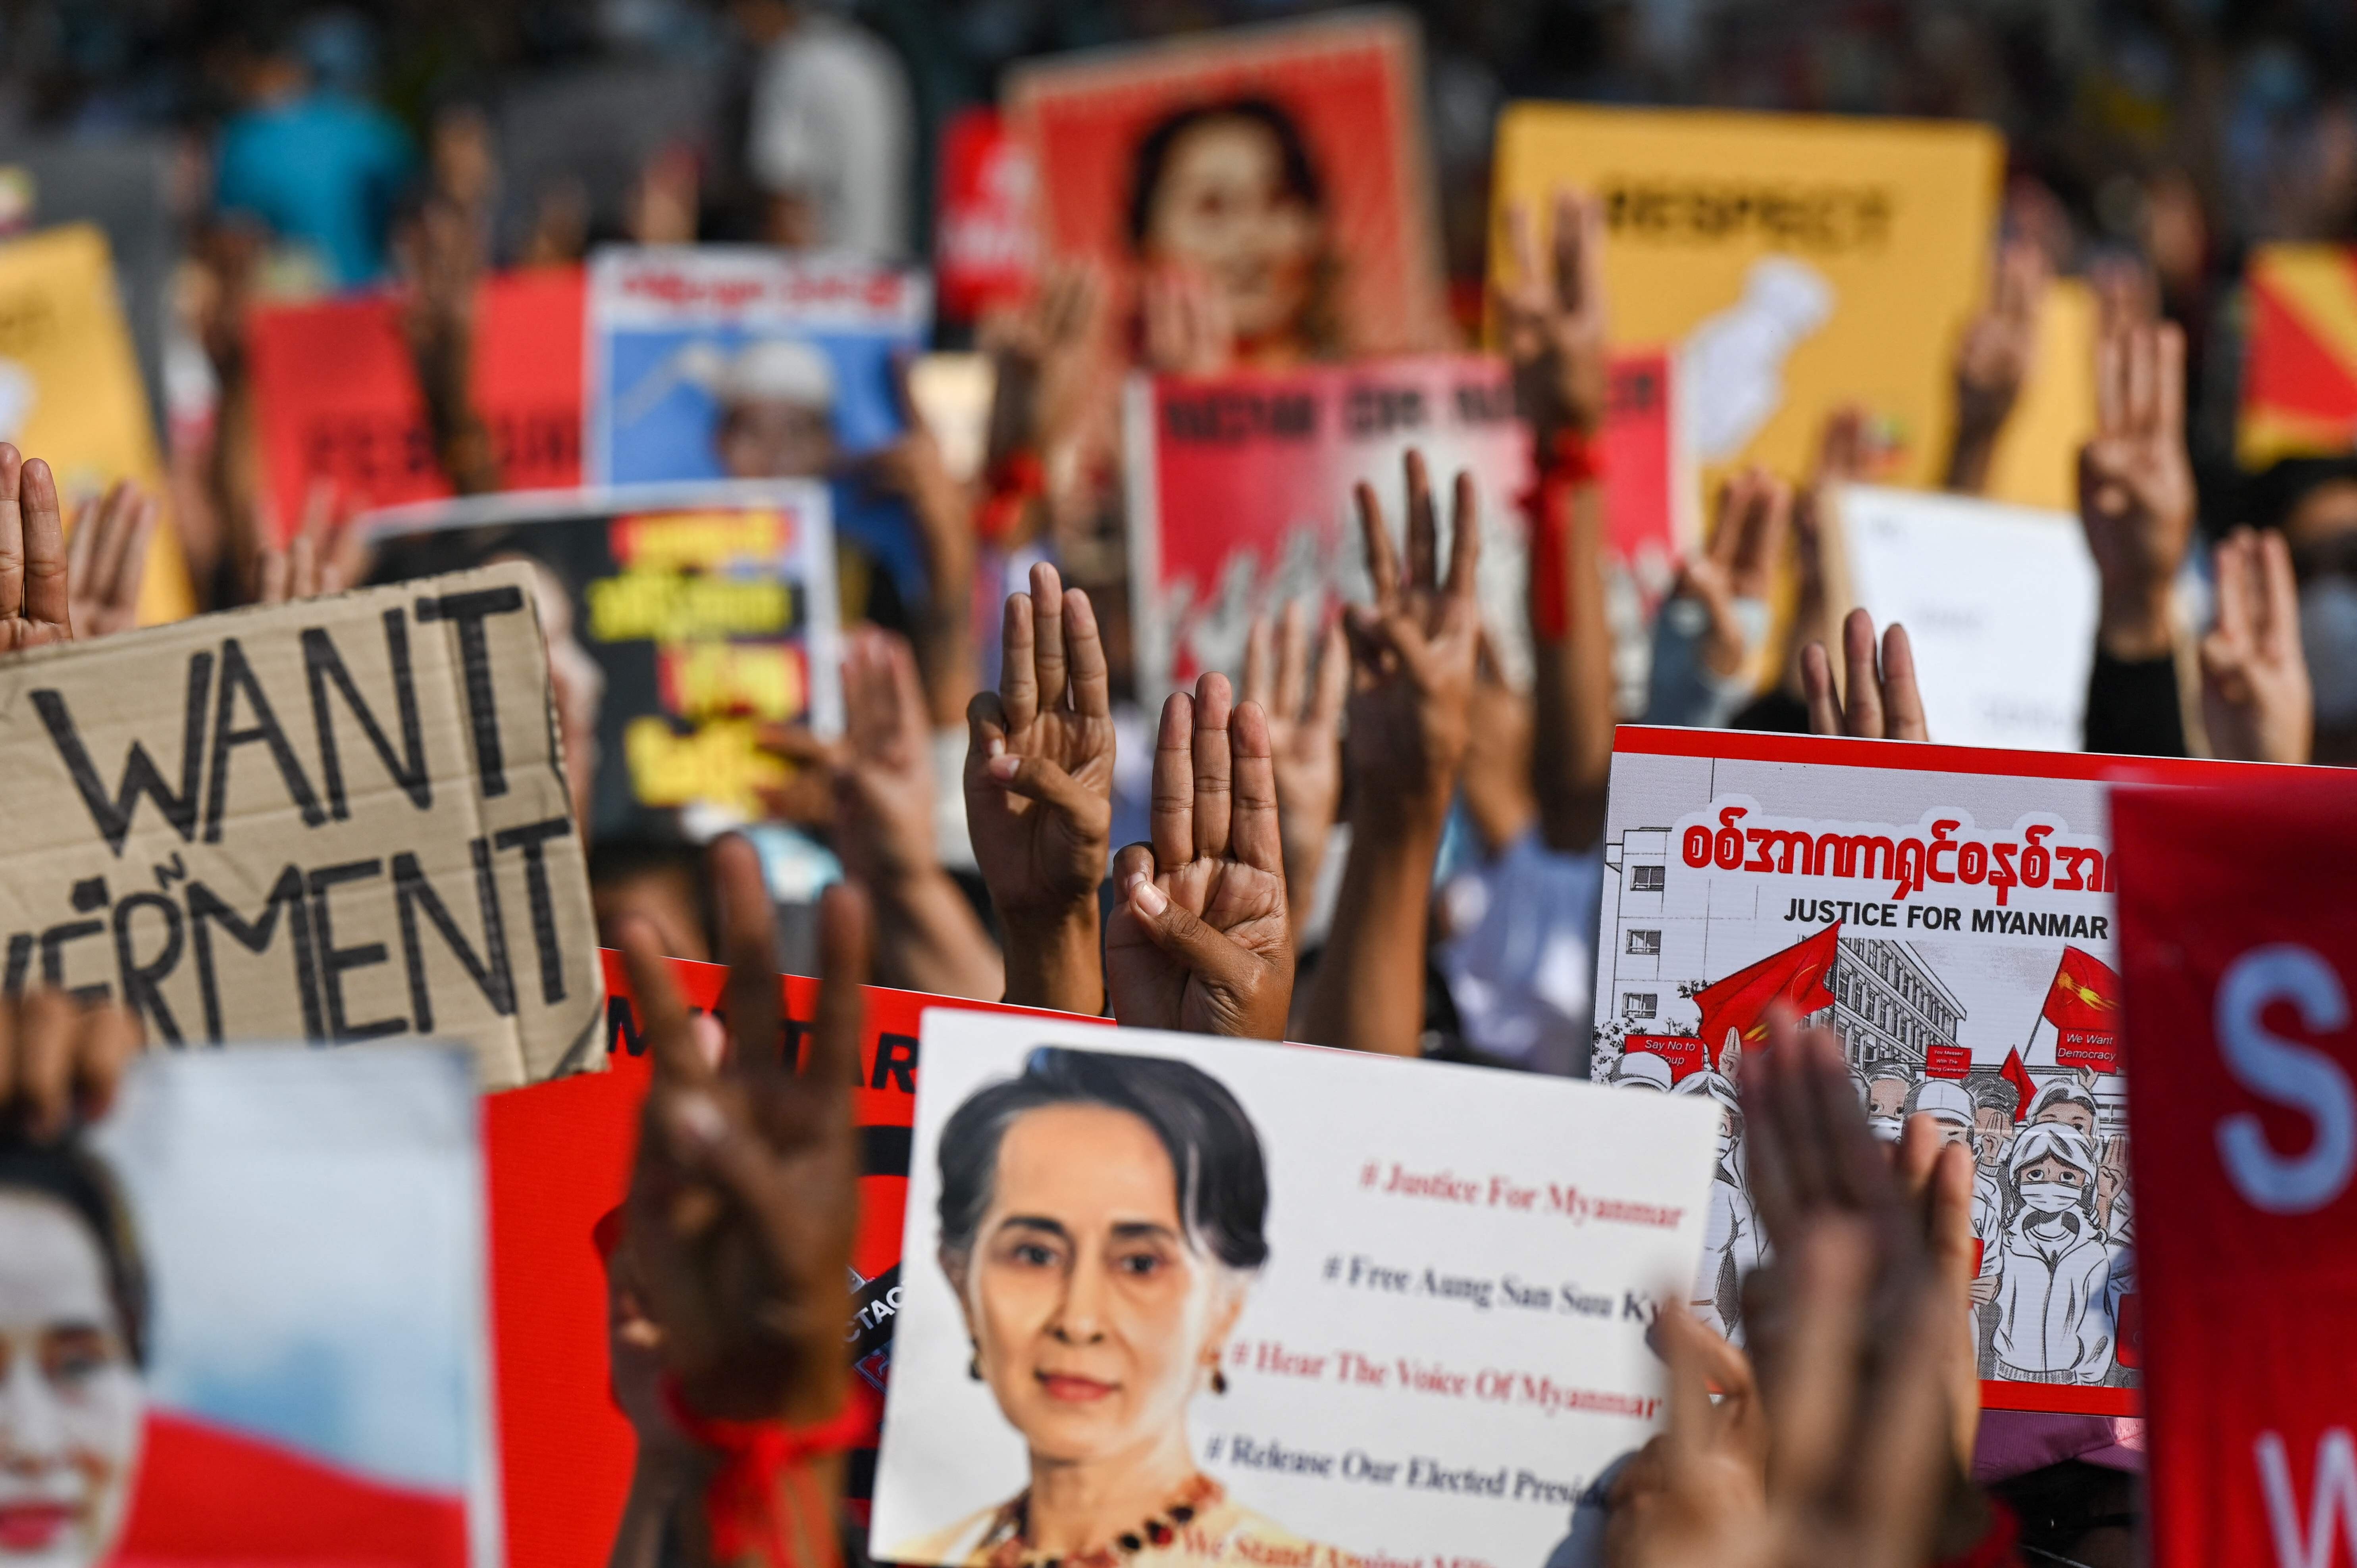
column 339, row 820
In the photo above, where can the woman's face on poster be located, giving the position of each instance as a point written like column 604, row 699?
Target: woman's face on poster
column 1093, row 1318
column 1222, row 208
column 70, row 1398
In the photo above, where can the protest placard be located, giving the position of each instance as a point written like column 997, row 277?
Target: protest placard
column 2036, row 461
column 2238, row 991
column 1239, row 493
column 558, row 1156
column 70, row 387
column 2299, row 361
column 986, row 236
column 696, row 614
column 252, row 1320
column 337, row 397
column 716, row 361
column 337, row 820
column 1285, row 164
column 1939, row 908
column 1401, row 1309
column 1998, row 602
column 1792, row 262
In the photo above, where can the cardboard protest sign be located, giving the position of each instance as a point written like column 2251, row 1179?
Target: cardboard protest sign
column 1792, row 262
column 337, row 399
column 696, row 614
column 2238, row 1017
column 2299, row 358
column 1401, row 1306
column 1286, row 163
column 1998, row 602
column 337, row 819
column 70, row 387
column 254, row 1318
column 559, row 1158
column 985, row 238
column 1937, row 907
column 1239, row 492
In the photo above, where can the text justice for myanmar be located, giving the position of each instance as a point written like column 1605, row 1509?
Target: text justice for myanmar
column 227, row 709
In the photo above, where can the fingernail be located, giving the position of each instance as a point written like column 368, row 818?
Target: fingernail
column 696, row 1121
column 711, row 1040
column 995, row 746
column 1148, row 898
column 1004, row 767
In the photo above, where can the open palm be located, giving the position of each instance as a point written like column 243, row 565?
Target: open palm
column 34, row 594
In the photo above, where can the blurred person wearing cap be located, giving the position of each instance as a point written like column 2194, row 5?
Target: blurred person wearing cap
column 777, row 411
column 2054, row 1308
column 832, row 137
column 1732, row 1244
column 1888, row 1084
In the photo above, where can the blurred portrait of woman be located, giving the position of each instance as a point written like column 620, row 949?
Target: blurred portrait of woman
column 1102, row 1221
column 73, row 1340
column 1228, row 193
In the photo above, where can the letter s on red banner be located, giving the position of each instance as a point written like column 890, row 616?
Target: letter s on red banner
column 2289, row 1074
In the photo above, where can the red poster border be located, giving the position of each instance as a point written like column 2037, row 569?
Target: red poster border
column 1930, row 757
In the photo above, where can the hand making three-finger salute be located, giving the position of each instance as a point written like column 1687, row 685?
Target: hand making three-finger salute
column 1200, row 940
column 1038, row 793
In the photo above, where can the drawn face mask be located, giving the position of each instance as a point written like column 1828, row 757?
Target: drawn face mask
column 2050, row 1197
column 1885, row 1128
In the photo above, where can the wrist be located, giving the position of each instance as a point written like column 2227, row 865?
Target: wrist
column 2134, row 623
column 1052, row 958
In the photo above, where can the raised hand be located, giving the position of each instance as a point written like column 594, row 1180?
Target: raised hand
column 326, row 555
column 60, row 1062
column 1883, row 704
column 1696, row 1496
column 2136, row 483
column 35, row 607
column 744, row 1200
column 1305, row 734
column 106, row 560
column 1189, row 331
column 911, row 468
column 2255, row 700
column 1552, row 317
column 1047, row 356
column 1729, row 581
column 1993, row 360
column 875, row 786
column 1412, row 653
column 1199, row 942
column 1038, row 793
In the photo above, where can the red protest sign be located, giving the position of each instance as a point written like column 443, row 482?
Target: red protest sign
column 2244, row 1111
column 985, row 247
column 336, row 394
column 1682, row 1052
column 557, row 1160
column 1947, row 1061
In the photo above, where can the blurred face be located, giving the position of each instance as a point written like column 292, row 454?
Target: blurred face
column 69, row 1400
column 1991, row 1135
column 1222, row 209
column 1884, row 1096
column 771, row 438
column 1951, row 1131
column 1093, row 1319
column 2069, row 1113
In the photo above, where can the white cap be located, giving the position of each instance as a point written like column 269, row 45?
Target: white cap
column 1946, row 1100
column 1711, row 1083
column 1642, row 1069
column 779, row 369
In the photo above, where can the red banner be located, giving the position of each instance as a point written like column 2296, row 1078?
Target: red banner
column 986, row 241
column 2087, row 1048
column 1946, row 1061
column 2245, row 1113
column 558, row 1159
column 336, row 394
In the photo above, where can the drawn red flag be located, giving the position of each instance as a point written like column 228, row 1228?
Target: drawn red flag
column 2018, row 1076
column 2083, row 1006
column 1739, row 1003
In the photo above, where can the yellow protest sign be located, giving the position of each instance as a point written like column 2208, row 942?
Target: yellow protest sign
column 70, row 387
column 2036, row 458
column 1792, row 261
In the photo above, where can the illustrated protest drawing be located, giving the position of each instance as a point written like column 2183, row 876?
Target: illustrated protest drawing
column 1949, row 914
column 337, row 819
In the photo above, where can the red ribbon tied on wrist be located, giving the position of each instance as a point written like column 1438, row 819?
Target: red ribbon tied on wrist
column 740, row 1505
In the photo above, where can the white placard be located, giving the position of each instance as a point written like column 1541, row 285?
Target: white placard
column 1999, row 606
column 1443, row 1349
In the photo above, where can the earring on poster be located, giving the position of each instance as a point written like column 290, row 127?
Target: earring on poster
column 1219, row 1382
column 974, row 1363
